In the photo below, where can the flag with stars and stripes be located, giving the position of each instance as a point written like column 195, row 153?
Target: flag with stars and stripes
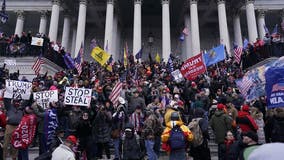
column 78, row 60
column 37, row 65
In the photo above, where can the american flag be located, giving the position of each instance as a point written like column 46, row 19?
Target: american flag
column 245, row 85
column 78, row 60
column 238, row 53
column 37, row 65
column 115, row 93
column 185, row 31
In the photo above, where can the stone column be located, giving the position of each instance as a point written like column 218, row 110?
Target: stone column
column 282, row 15
column 43, row 22
column 223, row 27
column 261, row 23
column 80, row 37
column 137, row 27
column 53, row 28
column 166, row 32
column 187, row 40
column 74, row 33
column 20, row 23
column 252, row 29
column 114, row 50
column 194, row 25
column 66, row 31
column 109, row 24
column 237, row 30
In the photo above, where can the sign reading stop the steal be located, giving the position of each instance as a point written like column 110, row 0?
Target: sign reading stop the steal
column 45, row 97
column 193, row 67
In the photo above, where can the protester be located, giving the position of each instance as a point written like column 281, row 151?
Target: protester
column 176, row 137
column 220, row 124
column 64, row 151
column 249, row 140
column 245, row 121
column 230, row 148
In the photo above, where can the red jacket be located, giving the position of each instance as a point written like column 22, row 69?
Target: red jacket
column 246, row 122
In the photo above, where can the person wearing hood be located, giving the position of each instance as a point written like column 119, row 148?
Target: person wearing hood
column 179, row 150
column 131, row 144
column 220, row 123
column 84, row 133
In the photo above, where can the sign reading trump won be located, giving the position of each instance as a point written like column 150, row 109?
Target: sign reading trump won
column 77, row 96
column 44, row 98
column 18, row 89
column 274, row 87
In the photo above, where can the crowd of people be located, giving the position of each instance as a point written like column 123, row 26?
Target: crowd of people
column 153, row 112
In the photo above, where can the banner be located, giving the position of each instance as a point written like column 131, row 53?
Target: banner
column 18, row 89
column 77, row 96
column 24, row 134
column 44, row 98
column 100, row 55
column 177, row 76
column 37, row 41
column 193, row 67
column 274, row 87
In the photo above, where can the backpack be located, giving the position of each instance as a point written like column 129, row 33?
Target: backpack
column 196, row 131
column 177, row 139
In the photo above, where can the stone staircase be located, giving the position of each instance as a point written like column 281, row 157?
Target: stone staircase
column 212, row 145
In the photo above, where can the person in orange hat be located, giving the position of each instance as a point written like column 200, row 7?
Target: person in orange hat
column 64, row 151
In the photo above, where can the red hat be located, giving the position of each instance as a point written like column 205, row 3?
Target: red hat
column 220, row 106
column 193, row 84
column 180, row 103
column 245, row 108
column 72, row 139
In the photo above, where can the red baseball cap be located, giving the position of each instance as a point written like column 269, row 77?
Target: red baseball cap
column 72, row 139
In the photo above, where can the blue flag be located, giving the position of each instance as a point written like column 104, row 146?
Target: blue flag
column 170, row 64
column 69, row 62
column 246, row 42
column 274, row 87
column 215, row 55
column 139, row 54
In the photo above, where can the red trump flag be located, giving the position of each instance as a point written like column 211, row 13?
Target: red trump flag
column 193, row 67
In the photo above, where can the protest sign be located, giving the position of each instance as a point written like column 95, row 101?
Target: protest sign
column 77, row 96
column 177, row 76
column 274, row 87
column 37, row 41
column 44, row 98
column 18, row 89
column 193, row 67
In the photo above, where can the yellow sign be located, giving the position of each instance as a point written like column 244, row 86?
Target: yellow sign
column 100, row 55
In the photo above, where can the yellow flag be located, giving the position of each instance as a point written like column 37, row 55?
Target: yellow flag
column 158, row 58
column 100, row 55
column 125, row 58
column 109, row 67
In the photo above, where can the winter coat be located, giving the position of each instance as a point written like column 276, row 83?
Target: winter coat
column 230, row 150
column 102, row 127
column 246, row 122
column 134, row 102
column 63, row 152
column 166, row 133
column 220, row 123
column 14, row 115
column 277, row 128
column 258, row 118
column 152, row 128
column 131, row 148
